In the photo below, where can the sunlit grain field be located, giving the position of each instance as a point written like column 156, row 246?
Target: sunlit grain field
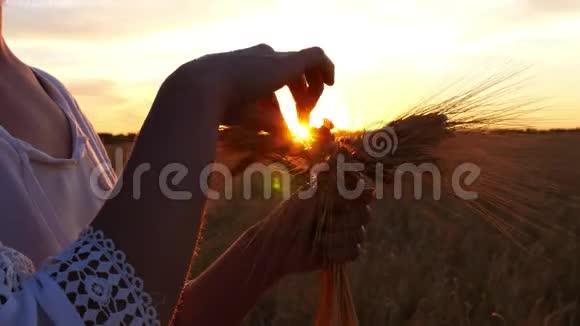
column 424, row 267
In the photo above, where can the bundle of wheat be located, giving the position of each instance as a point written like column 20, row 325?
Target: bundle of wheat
column 444, row 135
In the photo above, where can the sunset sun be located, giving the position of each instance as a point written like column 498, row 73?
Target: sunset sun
column 328, row 107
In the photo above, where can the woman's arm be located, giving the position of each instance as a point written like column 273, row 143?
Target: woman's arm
column 156, row 232
column 277, row 246
column 225, row 292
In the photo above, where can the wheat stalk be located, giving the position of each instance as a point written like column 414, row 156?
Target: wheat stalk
column 445, row 133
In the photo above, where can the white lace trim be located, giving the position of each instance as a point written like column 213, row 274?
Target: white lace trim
column 14, row 268
column 100, row 283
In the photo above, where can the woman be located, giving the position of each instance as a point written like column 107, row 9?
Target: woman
column 129, row 265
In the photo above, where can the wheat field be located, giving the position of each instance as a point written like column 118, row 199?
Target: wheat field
column 425, row 267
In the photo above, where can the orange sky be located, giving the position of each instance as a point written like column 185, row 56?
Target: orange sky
column 113, row 55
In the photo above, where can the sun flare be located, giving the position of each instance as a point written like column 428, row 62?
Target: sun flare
column 301, row 133
column 328, row 107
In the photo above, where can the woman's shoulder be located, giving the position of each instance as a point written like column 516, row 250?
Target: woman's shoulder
column 75, row 112
column 58, row 85
column 47, row 76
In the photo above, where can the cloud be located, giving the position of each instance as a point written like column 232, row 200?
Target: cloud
column 92, row 87
column 90, row 22
column 554, row 5
column 107, row 19
column 113, row 106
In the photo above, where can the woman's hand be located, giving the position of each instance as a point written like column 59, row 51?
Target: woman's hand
column 283, row 243
column 245, row 80
column 292, row 243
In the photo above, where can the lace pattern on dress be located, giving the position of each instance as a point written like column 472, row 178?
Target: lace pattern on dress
column 14, row 268
column 100, row 283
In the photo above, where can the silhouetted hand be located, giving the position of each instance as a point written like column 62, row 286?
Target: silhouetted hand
column 247, row 79
column 288, row 235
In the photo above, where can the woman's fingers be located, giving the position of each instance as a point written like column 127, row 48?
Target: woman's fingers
column 255, row 73
column 261, row 115
column 270, row 117
column 343, row 238
column 315, row 85
column 315, row 59
column 307, row 103
column 350, row 218
column 306, row 90
column 341, row 246
column 312, row 69
column 307, row 63
column 300, row 93
column 341, row 255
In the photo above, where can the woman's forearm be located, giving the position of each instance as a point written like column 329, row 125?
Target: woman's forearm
column 231, row 286
column 158, row 232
